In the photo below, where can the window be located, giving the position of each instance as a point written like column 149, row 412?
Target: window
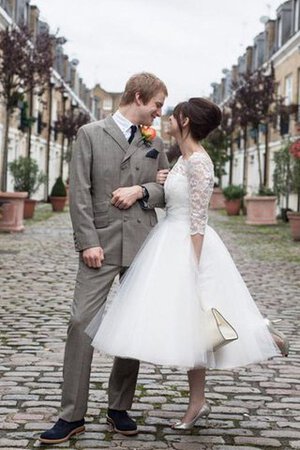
column 95, row 106
column 107, row 104
column 296, row 15
column 288, row 91
column 40, row 124
column 279, row 32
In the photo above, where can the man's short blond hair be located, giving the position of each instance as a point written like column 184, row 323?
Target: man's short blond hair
column 147, row 84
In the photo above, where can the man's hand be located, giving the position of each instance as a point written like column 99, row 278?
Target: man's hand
column 93, row 257
column 125, row 197
column 161, row 176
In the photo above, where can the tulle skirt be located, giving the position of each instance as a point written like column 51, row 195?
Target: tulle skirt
column 158, row 314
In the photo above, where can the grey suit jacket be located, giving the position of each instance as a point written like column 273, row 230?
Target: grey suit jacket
column 103, row 161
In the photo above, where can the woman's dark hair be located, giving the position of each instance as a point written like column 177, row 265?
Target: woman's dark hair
column 203, row 114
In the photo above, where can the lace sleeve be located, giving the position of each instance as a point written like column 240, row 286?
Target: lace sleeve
column 201, row 182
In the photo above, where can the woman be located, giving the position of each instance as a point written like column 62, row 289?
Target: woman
column 183, row 269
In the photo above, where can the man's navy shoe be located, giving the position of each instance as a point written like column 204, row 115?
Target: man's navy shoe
column 121, row 422
column 62, row 431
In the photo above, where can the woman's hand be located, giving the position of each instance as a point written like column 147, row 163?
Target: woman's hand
column 161, row 176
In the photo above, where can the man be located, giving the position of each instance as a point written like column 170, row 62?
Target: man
column 113, row 194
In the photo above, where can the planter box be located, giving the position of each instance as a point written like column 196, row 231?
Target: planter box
column 12, row 209
column 233, row 206
column 217, row 200
column 261, row 210
column 294, row 220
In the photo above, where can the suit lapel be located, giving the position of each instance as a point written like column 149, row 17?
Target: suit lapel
column 114, row 131
column 136, row 144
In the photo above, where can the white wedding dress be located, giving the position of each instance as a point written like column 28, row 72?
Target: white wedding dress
column 158, row 313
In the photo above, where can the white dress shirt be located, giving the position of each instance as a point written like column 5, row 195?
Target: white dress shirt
column 123, row 123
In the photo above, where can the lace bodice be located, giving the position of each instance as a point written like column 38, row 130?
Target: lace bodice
column 188, row 190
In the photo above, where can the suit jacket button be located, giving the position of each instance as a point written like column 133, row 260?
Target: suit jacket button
column 137, row 168
column 139, row 221
column 124, row 220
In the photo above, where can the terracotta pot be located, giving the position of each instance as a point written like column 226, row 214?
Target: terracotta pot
column 12, row 211
column 217, row 200
column 233, row 206
column 261, row 210
column 67, row 189
column 294, row 220
column 29, row 208
column 58, row 203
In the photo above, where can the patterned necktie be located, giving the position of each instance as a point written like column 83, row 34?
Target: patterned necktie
column 133, row 129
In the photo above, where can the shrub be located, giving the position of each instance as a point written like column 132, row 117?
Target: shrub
column 233, row 192
column 26, row 174
column 58, row 189
column 264, row 191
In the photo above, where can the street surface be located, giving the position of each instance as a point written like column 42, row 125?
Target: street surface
column 256, row 407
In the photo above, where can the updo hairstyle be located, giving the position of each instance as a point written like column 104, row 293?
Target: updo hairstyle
column 204, row 116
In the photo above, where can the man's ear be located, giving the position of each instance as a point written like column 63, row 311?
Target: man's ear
column 138, row 99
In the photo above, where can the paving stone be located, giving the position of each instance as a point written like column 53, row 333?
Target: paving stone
column 26, row 417
column 197, row 439
column 186, row 446
column 262, row 442
column 282, row 434
column 153, row 399
column 8, row 426
column 22, row 443
column 235, row 447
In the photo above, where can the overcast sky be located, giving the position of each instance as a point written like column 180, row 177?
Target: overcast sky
column 187, row 43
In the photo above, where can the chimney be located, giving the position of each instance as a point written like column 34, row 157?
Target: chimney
column 249, row 57
column 270, row 39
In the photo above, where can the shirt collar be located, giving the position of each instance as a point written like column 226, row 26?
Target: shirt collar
column 123, row 123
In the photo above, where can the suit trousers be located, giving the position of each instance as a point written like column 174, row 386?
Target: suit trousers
column 91, row 290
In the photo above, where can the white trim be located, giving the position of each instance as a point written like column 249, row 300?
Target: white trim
column 5, row 16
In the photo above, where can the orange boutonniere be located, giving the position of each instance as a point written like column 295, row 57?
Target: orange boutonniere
column 148, row 134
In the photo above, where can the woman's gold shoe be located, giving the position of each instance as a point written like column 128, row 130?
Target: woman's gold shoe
column 280, row 339
column 203, row 412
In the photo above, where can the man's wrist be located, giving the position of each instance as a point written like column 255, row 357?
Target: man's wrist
column 139, row 192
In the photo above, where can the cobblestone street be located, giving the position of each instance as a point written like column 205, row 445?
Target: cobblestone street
column 252, row 407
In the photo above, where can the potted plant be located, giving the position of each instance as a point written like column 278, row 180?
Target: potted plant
column 233, row 199
column 216, row 146
column 58, row 195
column 283, row 178
column 294, row 217
column 261, row 207
column 217, row 200
column 27, row 178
